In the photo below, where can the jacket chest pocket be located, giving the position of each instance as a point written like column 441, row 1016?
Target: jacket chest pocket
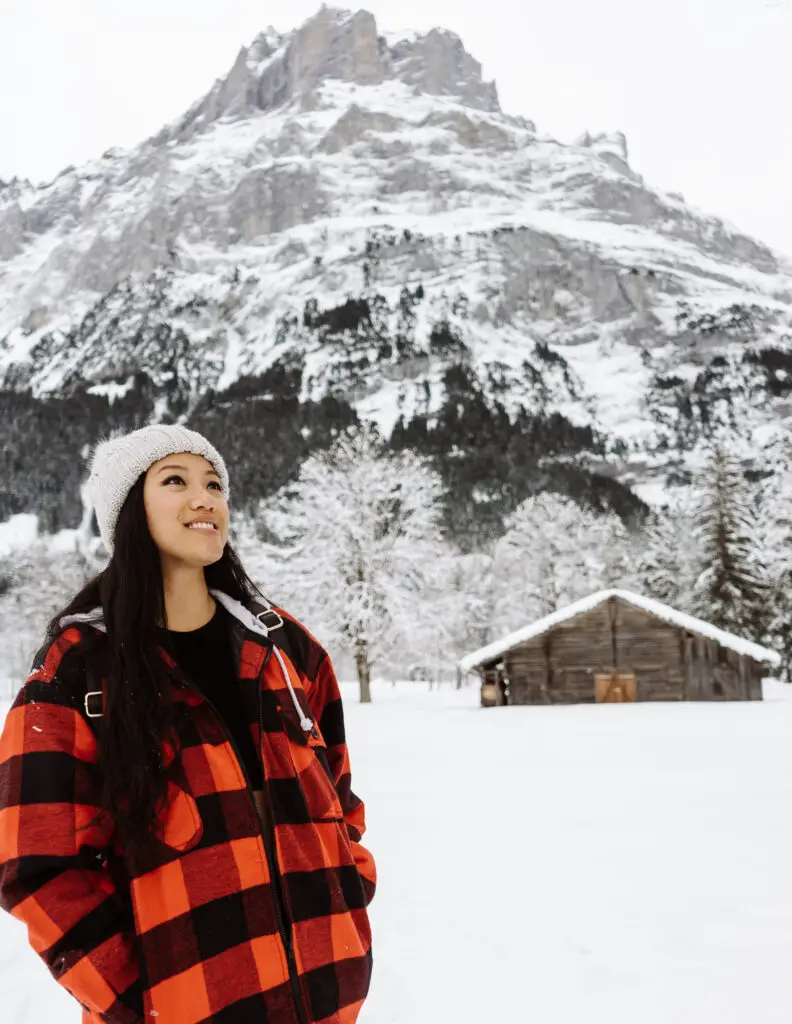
column 179, row 824
column 178, row 821
column 308, row 757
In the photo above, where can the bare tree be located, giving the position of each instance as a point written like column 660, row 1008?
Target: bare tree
column 34, row 582
column 357, row 539
column 554, row 552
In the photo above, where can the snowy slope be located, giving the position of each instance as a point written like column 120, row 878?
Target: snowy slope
column 338, row 163
column 607, row 864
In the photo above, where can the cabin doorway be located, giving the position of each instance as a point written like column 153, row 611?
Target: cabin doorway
column 494, row 687
column 615, row 687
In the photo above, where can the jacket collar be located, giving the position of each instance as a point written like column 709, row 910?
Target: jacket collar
column 250, row 618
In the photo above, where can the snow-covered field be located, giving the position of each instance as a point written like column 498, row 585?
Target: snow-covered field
column 566, row 865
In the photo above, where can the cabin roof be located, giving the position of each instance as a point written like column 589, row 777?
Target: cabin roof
column 656, row 608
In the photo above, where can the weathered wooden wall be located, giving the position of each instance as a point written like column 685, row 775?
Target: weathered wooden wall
column 651, row 649
column 717, row 673
column 755, row 675
column 558, row 667
column 669, row 664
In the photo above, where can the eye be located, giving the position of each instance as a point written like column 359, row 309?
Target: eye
column 175, row 476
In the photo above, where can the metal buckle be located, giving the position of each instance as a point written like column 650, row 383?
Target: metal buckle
column 89, row 713
column 270, row 611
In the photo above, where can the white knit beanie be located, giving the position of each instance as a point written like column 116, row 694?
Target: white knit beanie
column 118, row 460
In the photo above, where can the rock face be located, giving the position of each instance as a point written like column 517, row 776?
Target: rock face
column 439, row 64
column 277, row 70
column 359, row 206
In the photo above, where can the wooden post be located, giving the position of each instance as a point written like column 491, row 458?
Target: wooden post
column 745, row 688
column 612, row 621
column 499, row 701
column 547, row 685
column 684, row 663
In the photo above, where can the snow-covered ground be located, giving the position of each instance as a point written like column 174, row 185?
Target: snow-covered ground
column 565, row 865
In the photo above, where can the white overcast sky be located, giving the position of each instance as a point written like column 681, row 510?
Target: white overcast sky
column 702, row 88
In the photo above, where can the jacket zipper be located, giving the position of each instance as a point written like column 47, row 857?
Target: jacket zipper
column 274, row 873
column 285, row 933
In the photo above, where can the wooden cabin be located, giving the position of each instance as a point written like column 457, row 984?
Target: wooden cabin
column 617, row 646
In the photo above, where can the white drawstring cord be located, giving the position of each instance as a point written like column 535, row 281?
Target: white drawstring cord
column 305, row 723
column 253, row 622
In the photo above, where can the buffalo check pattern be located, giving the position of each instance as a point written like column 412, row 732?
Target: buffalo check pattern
column 228, row 921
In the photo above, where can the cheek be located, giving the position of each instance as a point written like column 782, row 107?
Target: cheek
column 162, row 514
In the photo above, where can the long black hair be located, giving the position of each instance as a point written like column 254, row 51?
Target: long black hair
column 136, row 722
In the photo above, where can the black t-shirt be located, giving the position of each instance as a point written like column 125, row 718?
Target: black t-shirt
column 206, row 656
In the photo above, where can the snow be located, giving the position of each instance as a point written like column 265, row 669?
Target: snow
column 653, row 492
column 18, row 532
column 112, row 391
column 586, row 604
column 607, row 864
column 617, row 378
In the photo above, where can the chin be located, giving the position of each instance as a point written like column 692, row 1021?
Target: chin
column 189, row 556
column 212, row 554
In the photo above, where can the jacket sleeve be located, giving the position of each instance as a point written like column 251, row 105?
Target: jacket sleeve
column 324, row 697
column 51, row 847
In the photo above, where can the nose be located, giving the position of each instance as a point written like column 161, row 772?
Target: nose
column 205, row 498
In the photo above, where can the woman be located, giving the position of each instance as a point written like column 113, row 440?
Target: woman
column 177, row 826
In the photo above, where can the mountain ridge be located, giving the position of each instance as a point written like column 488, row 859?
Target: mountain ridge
column 358, row 206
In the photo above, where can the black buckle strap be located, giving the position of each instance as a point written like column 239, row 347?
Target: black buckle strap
column 271, row 624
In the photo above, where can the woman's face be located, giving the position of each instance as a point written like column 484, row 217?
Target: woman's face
column 179, row 490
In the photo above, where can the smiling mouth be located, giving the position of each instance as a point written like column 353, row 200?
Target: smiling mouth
column 209, row 528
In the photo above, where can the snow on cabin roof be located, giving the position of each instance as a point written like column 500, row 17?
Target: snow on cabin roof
column 661, row 611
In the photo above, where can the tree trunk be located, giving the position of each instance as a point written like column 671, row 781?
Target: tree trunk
column 363, row 671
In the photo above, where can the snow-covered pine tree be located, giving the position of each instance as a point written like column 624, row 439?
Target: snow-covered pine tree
column 668, row 561
column 358, row 536
column 775, row 532
column 731, row 588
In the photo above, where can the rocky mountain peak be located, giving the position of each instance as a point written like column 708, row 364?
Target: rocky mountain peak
column 438, row 63
column 343, row 45
column 610, row 146
column 262, row 48
column 14, row 187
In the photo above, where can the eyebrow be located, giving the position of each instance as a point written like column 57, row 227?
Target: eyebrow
column 184, row 469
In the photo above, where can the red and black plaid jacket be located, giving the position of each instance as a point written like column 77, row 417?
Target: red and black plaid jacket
column 229, row 922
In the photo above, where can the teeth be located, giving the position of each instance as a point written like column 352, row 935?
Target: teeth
column 200, row 526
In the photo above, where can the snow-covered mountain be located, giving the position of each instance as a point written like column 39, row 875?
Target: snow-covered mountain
column 353, row 213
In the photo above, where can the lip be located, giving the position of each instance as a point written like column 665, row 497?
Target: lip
column 209, row 522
